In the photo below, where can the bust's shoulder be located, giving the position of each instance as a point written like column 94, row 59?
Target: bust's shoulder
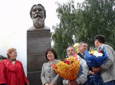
column 32, row 28
column 46, row 27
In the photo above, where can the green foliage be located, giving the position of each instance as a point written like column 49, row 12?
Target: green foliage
column 90, row 18
column 65, row 30
column 98, row 17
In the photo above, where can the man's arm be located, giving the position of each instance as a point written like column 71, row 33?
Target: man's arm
column 82, row 75
column 107, row 63
column 83, row 72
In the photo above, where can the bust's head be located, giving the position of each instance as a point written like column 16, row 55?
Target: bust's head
column 38, row 15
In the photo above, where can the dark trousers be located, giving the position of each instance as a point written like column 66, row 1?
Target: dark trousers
column 110, row 83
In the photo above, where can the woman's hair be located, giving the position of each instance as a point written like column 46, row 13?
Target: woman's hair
column 52, row 50
column 9, row 51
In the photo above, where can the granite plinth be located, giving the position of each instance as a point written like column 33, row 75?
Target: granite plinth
column 34, row 78
column 35, row 62
column 38, row 41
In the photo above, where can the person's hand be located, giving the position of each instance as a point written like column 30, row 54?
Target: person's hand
column 91, row 73
column 73, row 82
column 52, row 84
column 46, row 84
column 96, row 70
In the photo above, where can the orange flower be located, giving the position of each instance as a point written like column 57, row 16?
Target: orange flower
column 68, row 69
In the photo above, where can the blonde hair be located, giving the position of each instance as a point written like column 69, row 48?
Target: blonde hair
column 9, row 51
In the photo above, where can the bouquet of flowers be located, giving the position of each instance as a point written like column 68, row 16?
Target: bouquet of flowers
column 96, row 59
column 68, row 68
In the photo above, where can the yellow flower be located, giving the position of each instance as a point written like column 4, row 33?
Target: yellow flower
column 52, row 34
column 68, row 71
column 93, row 51
column 76, row 46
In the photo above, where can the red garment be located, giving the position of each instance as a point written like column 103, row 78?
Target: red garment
column 12, row 74
column 76, row 57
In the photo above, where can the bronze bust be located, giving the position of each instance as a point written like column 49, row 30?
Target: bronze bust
column 38, row 15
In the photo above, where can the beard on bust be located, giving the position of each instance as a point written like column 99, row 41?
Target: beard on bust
column 38, row 22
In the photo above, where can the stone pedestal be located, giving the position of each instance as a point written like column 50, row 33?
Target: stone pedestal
column 38, row 41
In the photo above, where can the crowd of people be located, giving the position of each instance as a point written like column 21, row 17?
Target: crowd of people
column 12, row 73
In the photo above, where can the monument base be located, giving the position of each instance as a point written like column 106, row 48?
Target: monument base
column 38, row 41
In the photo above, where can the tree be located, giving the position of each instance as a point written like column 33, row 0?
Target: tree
column 98, row 17
column 64, row 32
column 90, row 18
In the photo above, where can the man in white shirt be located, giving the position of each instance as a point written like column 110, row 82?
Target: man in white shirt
column 82, row 76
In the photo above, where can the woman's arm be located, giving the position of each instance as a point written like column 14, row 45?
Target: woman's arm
column 43, row 75
column 24, row 76
column 56, row 79
column 2, row 73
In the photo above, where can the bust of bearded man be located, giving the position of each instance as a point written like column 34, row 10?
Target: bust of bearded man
column 38, row 15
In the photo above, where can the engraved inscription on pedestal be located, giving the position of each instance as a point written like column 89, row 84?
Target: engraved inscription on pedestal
column 37, row 45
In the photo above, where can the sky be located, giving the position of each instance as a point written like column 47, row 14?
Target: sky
column 15, row 20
